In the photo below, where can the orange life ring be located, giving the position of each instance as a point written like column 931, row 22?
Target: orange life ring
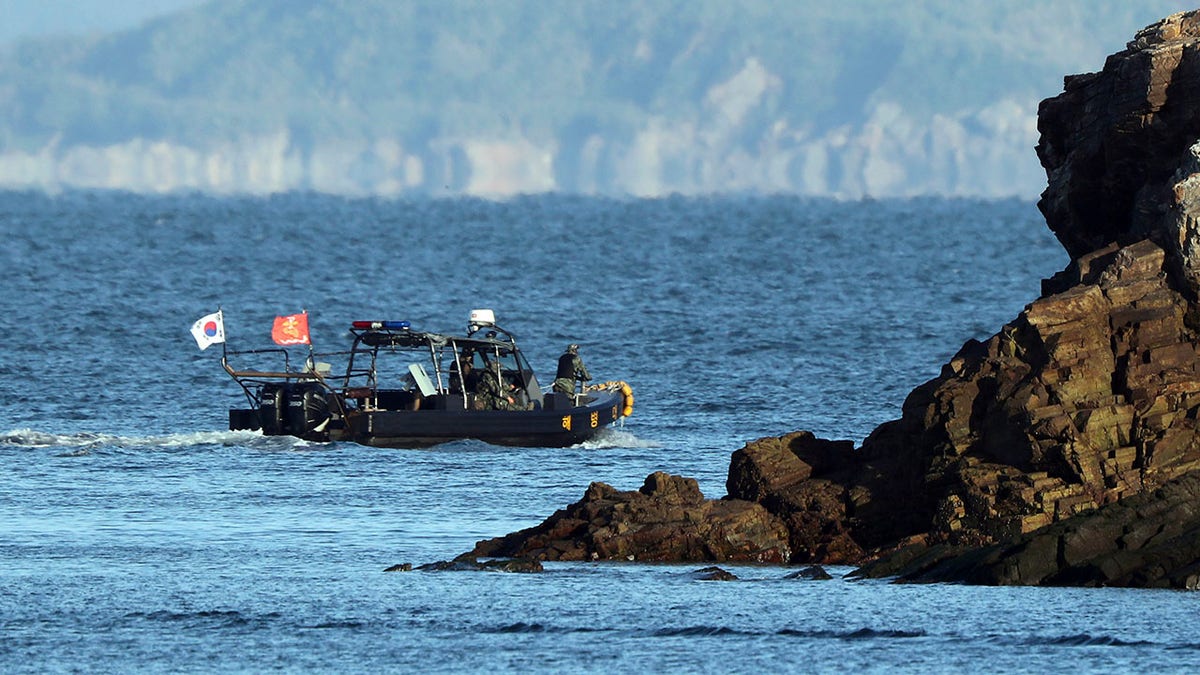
column 627, row 394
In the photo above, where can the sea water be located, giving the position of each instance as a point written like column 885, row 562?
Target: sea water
column 138, row 534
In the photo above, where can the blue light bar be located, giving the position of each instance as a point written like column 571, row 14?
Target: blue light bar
column 382, row 325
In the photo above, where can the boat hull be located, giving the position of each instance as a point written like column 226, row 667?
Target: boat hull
column 526, row 428
column 547, row 426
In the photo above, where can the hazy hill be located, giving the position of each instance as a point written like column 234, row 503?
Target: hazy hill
column 650, row 97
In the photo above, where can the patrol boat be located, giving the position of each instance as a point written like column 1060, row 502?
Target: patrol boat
column 406, row 388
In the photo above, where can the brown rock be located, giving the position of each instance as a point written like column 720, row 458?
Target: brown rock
column 1118, row 150
column 772, row 472
column 668, row 519
column 1089, row 393
column 1151, row 540
column 1087, row 401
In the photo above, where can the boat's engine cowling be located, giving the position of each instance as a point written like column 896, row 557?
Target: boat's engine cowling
column 307, row 412
column 273, row 403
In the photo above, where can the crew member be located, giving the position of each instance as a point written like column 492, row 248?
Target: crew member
column 570, row 369
column 493, row 394
column 463, row 376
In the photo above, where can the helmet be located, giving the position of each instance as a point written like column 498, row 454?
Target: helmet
column 573, row 348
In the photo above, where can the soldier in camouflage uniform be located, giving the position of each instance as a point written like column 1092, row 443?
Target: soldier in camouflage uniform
column 492, row 393
column 462, row 375
column 570, row 368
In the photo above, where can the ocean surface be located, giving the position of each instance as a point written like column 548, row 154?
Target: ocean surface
column 137, row 534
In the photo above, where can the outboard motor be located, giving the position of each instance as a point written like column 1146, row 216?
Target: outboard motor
column 307, row 412
column 273, row 403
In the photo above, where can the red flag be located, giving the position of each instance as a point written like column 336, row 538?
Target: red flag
column 291, row 330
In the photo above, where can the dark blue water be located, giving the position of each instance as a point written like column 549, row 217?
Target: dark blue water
column 136, row 534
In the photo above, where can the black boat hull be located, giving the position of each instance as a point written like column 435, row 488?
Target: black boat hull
column 529, row 428
column 424, row 428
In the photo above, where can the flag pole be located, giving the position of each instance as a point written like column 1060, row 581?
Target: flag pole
column 312, row 364
column 310, row 344
column 224, row 333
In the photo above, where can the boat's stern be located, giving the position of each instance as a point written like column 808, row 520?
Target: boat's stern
column 298, row 409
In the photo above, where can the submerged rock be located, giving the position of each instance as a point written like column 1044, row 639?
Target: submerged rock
column 713, row 574
column 466, row 563
column 812, row 573
column 1076, row 421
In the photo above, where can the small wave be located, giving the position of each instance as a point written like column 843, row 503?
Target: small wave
column 30, row 438
column 1085, row 640
column 868, row 633
column 84, row 442
column 714, row 631
column 522, row 627
column 345, row 624
column 697, row 631
column 611, row 437
column 205, row 618
column 860, row 634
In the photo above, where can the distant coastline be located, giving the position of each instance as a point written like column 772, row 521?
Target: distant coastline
column 624, row 99
column 935, row 157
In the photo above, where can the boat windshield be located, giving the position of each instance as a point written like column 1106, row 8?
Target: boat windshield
column 481, row 358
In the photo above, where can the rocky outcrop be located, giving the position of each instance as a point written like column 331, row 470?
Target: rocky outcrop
column 1119, row 148
column 794, row 478
column 667, row 520
column 1090, row 395
column 1149, row 540
column 1076, row 421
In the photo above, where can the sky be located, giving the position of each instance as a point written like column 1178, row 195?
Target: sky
column 38, row 18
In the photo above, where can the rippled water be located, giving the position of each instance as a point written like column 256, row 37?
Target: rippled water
column 137, row 534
